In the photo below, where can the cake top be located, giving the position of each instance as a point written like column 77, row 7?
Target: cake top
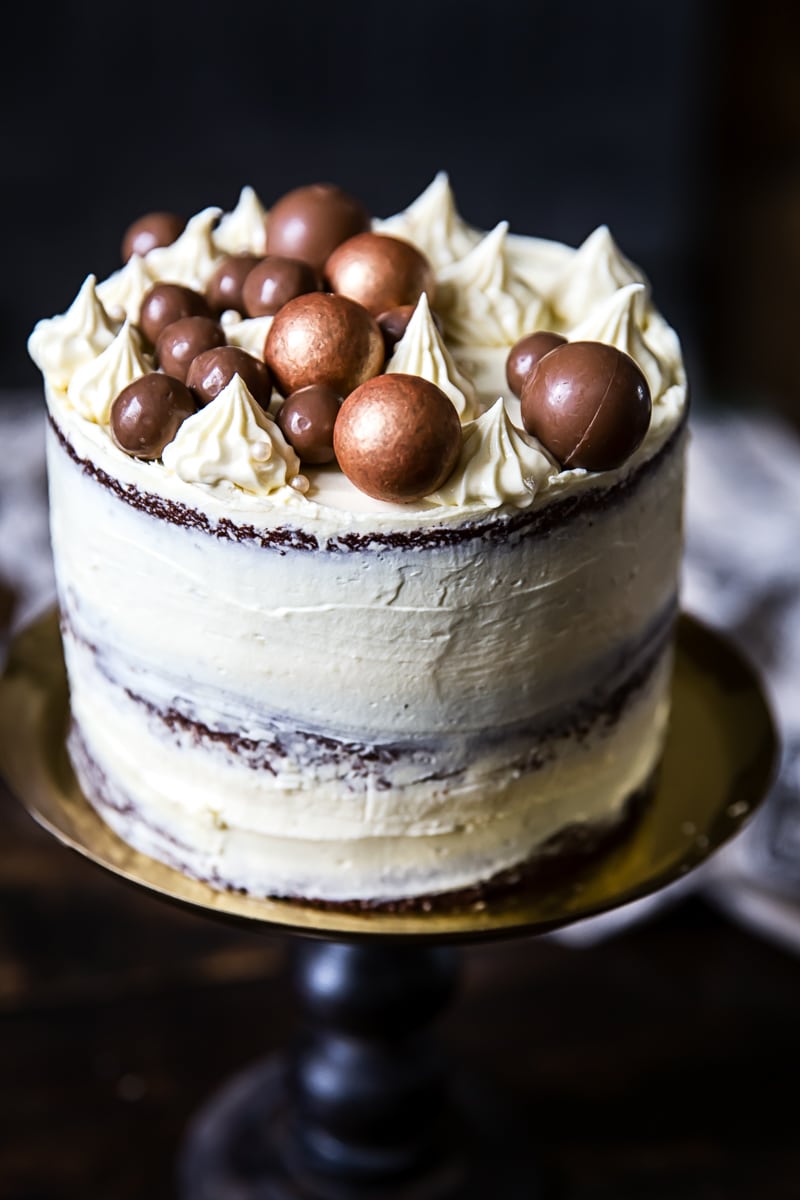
column 309, row 360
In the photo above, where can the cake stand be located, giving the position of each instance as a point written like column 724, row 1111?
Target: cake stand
column 363, row 1107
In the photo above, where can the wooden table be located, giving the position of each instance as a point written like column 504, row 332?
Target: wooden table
column 663, row 1064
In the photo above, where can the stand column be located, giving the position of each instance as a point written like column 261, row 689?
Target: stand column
column 367, row 1083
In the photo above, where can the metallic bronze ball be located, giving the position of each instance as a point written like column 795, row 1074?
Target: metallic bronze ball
column 306, row 420
column 525, row 354
column 151, row 230
column 310, row 222
column 319, row 338
column 213, row 370
column 147, row 414
column 168, row 302
column 588, row 404
column 183, row 340
column 397, row 438
column 380, row 272
column 273, row 282
column 224, row 288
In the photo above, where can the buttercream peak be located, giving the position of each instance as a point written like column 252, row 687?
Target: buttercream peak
column 596, row 270
column 617, row 320
column 96, row 384
column 192, row 257
column 243, row 229
column 60, row 345
column 432, row 223
column 421, row 351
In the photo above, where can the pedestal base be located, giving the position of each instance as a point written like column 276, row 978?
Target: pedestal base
column 242, row 1147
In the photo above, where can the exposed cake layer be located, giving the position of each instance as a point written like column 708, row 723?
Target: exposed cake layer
column 134, row 770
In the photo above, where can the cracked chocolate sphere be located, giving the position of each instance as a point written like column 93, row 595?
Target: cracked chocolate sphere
column 183, row 340
column 319, row 338
column 397, row 438
column 151, row 230
column 147, row 414
column 380, row 272
column 306, row 420
column 310, row 222
column 525, row 354
column 224, row 288
column 273, row 282
column 588, row 404
column 168, row 302
column 213, row 370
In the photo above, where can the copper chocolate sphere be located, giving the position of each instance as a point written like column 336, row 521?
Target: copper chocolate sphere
column 151, row 230
column 147, row 414
column 183, row 340
column 212, row 370
column 380, row 272
column 319, row 338
column 224, row 288
column 397, row 438
column 273, row 282
column 310, row 222
column 525, row 354
column 164, row 303
column 306, row 420
column 588, row 404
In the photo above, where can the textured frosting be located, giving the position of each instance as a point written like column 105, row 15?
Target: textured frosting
column 433, row 224
column 122, row 293
column 192, row 257
column 617, row 320
column 421, row 351
column 243, row 229
column 232, row 442
column 249, row 333
column 96, row 383
column 483, row 301
column 61, row 344
column 498, row 465
column 594, row 272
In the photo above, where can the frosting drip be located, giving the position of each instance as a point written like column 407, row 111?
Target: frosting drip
column 421, row 351
column 232, row 442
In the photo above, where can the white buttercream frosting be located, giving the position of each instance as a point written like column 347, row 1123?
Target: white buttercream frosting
column 483, row 301
column 595, row 271
column 432, row 223
column 249, row 333
column 421, row 351
column 232, row 441
column 617, row 321
column 122, row 293
column 192, row 257
column 498, row 465
column 96, row 384
column 61, row 344
column 243, row 229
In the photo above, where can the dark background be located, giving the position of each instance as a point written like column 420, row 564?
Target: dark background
column 677, row 124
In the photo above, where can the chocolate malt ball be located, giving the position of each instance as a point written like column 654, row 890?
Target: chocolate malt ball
column 147, row 414
column 525, row 354
column 319, row 338
column 224, row 288
column 164, row 303
column 380, row 272
column 397, row 438
column 273, row 282
column 306, row 419
column 588, row 404
column 151, row 230
column 183, row 340
column 310, row 222
column 213, row 370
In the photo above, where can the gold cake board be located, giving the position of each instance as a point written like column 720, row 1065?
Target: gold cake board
column 718, row 764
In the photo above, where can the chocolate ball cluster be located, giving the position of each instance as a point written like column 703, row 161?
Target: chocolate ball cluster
column 340, row 298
